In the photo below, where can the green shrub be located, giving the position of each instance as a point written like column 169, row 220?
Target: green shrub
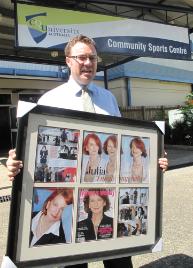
column 182, row 131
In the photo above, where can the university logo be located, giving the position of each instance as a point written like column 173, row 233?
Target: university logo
column 37, row 29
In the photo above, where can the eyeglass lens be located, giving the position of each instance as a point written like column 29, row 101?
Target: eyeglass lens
column 83, row 58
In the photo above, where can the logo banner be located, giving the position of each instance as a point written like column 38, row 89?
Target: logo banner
column 51, row 28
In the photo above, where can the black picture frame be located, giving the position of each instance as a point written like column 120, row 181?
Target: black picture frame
column 80, row 251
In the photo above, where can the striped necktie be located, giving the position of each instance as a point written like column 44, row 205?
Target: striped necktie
column 87, row 101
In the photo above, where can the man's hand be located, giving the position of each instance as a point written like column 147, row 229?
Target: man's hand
column 163, row 163
column 14, row 166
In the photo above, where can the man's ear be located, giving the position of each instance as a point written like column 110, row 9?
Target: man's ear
column 68, row 62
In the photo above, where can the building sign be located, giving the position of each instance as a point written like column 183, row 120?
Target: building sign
column 51, row 28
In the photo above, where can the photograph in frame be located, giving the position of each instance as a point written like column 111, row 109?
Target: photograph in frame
column 95, row 214
column 133, row 212
column 57, row 151
column 51, row 221
column 135, row 157
column 99, row 160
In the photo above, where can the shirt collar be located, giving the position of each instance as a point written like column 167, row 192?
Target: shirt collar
column 78, row 88
column 54, row 229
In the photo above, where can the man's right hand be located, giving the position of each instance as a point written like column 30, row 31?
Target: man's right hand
column 14, row 166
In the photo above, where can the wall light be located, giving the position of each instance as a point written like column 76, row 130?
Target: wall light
column 54, row 54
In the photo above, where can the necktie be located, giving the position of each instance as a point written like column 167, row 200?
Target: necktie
column 87, row 101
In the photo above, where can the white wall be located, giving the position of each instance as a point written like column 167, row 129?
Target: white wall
column 26, row 86
column 148, row 92
column 144, row 92
column 24, row 83
column 119, row 89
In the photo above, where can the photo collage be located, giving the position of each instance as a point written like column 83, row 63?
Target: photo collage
column 104, row 165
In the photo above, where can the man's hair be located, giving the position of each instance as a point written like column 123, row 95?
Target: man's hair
column 79, row 38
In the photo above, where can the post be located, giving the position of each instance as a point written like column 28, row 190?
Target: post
column 105, row 79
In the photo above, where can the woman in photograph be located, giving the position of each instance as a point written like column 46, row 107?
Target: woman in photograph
column 43, row 155
column 137, row 228
column 110, row 149
column 138, row 167
column 121, row 230
column 125, row 199
column 97, row 225
column 144, row 197
column 46, row 227
column 93, row 166
column 140, row 213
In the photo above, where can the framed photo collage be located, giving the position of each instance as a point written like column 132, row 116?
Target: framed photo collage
column 90, row 188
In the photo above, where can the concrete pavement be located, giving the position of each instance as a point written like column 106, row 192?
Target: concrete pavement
column 177, row 215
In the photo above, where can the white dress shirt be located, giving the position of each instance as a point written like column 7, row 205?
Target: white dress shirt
column 68, row 96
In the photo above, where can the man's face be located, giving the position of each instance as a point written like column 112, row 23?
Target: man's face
column 83, row 72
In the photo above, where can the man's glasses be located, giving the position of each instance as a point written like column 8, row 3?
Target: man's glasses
column 83, row 58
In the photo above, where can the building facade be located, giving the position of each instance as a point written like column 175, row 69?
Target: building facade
column 143, row 82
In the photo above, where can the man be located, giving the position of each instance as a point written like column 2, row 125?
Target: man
column 81, row 58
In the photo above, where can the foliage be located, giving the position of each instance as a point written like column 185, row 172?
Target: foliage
column 187, row 110
column 182, row 131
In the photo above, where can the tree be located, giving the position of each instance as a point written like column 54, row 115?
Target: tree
column 182, row 132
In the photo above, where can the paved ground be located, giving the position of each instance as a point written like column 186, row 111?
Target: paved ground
column 177, row 215
column 179, row 156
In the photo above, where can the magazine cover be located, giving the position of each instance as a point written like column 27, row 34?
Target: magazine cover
column 99, row 157
column 56, row 157
column 95, row 214
column 133, row 211
column 51, row 221
column 134, row 166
